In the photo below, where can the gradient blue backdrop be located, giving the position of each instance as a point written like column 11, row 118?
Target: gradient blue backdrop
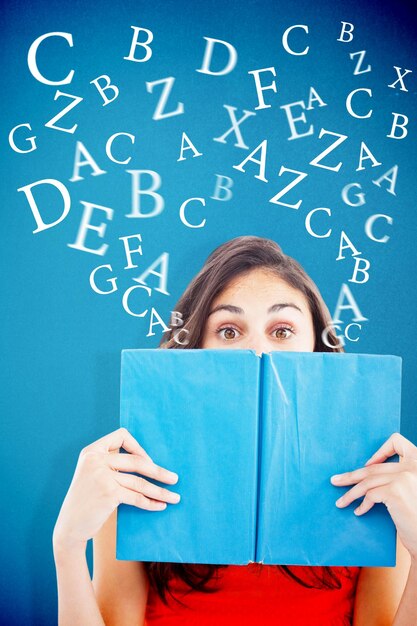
column 61, row 342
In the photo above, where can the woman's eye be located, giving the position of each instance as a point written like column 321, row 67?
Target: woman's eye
column 227, row 332
column 283, row 332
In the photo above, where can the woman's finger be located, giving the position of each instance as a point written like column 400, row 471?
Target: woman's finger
column 396, row 444
column 140, row 485
column 350, row 478
column 120, row 438
column 359, row 490
column 377, row 495
column 127, row 496
column 139, row 465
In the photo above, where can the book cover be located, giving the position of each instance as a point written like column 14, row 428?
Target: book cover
column 254, row 440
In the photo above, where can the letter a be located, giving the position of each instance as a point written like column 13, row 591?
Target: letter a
column 190, row 146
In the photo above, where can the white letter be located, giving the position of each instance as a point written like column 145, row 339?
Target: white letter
column 137, row 192
column 299, row 178
column 360, row 196
column 261, row 162
column 292, row 120
column 27, row 189
column 347, row 334
column 109, row 145
column 33, row 67
column 285, row 40
column 313, row 96
column 166, row 90
column 162, row 260
column 86, row 226
column 346, row 293
column 128, row 251
column 160, row 322
column 346, row 31
column 308, row 225
column 126, row 298
column 190, row 146
column 178, row 333
column 349, row 105
column 395, row 125
column 221, row 184
column 349, row 244
column 182, row 213
column 112, row 281
column 176, row 319
column 317, row 159
column 325, row 336
column 370, row 222
column 235, row 127
column 102, row 90
column 51, row 123
column 364, row 148
column 390, row 177
column 136, row 43
column 260, row 89
column 357, row 69
column 357, row 269
column 209, row 52
column 400, row 78
column 81, row 149
column 30, row 139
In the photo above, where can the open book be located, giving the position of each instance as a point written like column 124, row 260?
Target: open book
column 254, row 441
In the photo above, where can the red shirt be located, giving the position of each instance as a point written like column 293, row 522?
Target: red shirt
column 256, row 594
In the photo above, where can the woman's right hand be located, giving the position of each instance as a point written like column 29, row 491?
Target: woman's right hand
column 100, row 483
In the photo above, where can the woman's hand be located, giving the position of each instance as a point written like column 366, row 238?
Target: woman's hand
column 100, row 484
column 394, row 484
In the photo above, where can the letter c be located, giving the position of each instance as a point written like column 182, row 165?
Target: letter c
column 369, row 224
column 182, row 213
column 349, row 103
column 347, row 331
column 32, row 64
column 126, row 297
column 285, row 40
column 308, row 226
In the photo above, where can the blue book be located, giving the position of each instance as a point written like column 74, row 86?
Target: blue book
column 254, row 440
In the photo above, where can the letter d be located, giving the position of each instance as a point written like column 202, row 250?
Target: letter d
column 27, row 189
column 209, row 53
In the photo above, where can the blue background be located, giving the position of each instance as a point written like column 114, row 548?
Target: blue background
column 61, row 341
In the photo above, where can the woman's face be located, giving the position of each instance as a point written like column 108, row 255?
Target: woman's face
column 260, row 311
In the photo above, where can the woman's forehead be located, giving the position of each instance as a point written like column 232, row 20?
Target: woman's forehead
column 260, row 283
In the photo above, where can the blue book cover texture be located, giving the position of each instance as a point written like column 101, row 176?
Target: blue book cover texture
column 323, row 414
column 195, row 413
column 254, row 440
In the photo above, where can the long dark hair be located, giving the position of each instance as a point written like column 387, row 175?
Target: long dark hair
column 226, row 262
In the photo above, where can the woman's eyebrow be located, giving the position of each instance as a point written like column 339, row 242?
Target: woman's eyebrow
column 226, row 307
column 277, row 307
column 236, row 309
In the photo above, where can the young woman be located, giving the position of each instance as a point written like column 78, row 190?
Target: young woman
column 247, row 295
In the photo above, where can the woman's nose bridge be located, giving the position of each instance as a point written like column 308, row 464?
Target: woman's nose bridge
column 257, row 341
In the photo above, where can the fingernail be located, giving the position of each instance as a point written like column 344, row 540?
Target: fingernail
column 176, row 497
column 339, row 501
column 336, row 478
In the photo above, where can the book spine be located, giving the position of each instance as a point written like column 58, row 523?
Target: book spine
column 259, row 452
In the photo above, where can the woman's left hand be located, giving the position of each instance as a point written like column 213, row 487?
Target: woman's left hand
column 393, row 484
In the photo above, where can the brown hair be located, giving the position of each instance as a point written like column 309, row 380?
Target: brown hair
column 228, row 261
